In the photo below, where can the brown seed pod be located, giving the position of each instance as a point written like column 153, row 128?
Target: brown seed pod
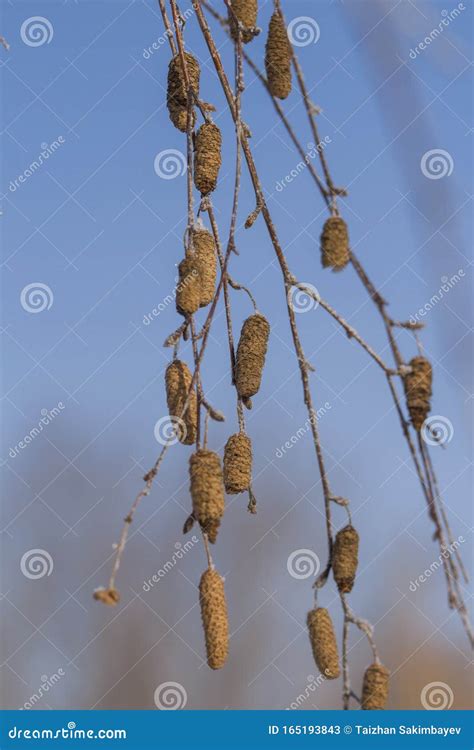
column 207, row 491
column 278, row 57
column 214, row 618
column 375, row 687
column 188, row 291
column 177, row 98
column 205, row 256
column 111, row 597
column 418, row 390
column 237, row 464
column 207, row 157
column 345, row 558
column 251, row 353
column 246, row 13
column 335, row 244
column 323, row 642
column 177, row 380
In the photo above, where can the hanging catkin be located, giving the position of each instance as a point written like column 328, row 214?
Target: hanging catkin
column 335, row 244
column 237, row 463
column 278, row 57
column 251, row 353
column 214, row 618
column 375, row 687
column 177, row 95
column 188, row 291
column 323, row 642
column 207, row 491
column 418, row 390
column 207, row 157
column 246, row 13
column 177, row 380
column 205, row 256
column 345, row 558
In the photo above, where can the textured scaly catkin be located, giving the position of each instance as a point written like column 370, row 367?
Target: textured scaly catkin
column 214, row 618
column 246, row 12
column 345, row 558
column 176, row 97
column 418, row 390
column 375, row 687
column 207, row 491
column 251, row 353
column 278, row 57
column 237, row 463
column 207, row 157
column 188, row 291
column 323, row 642
column 205, row 256
column 178, row 378
column 335, row 244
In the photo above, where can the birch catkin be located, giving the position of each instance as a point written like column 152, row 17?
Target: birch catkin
column 214, row 618
column 178, row 378
column 188, row 291
column 345, row 558
column 375, row 687
column 177, row 96
column 323, row 642
column 207, row 157
column 207, row 491
column 205, row 257
column 335, row 244
column 418, row 390
column 278, row 58
column 251, row 353
column 246, row 13
column 237, row 463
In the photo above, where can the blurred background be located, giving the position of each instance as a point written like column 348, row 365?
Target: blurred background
column 91, row 239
